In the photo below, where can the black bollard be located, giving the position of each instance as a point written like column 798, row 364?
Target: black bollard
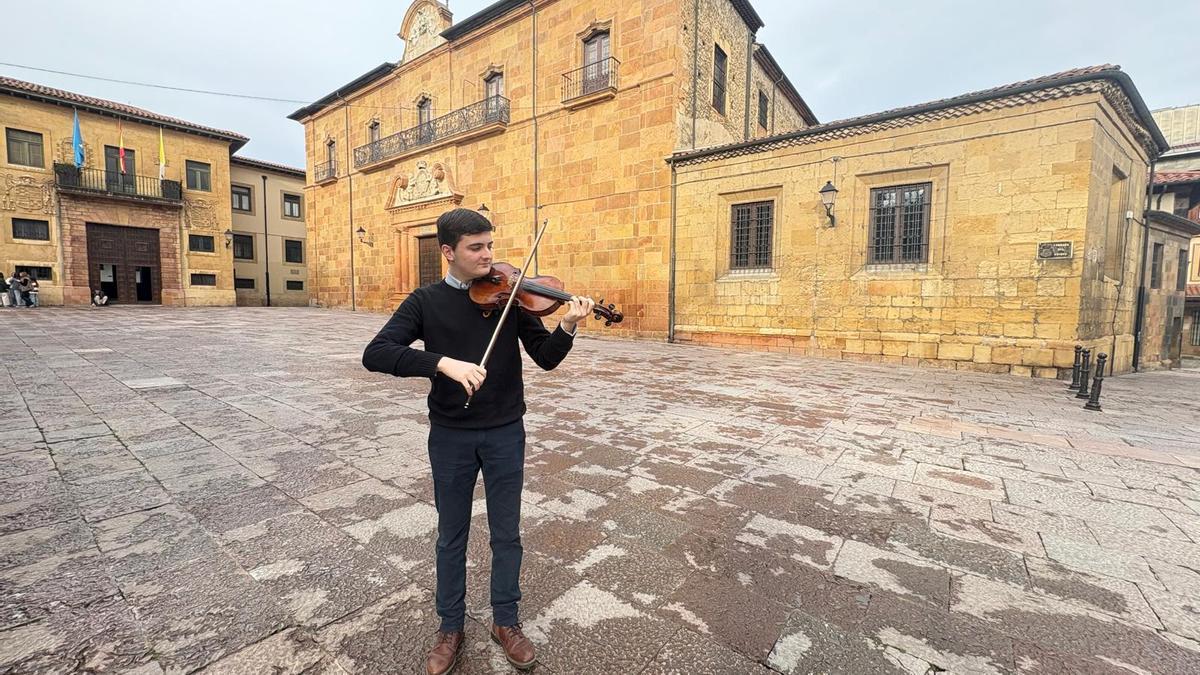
column 1093, row 402
column 1085, row 374
column 1075, row 369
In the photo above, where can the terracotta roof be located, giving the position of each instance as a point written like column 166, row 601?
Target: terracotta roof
column 269, row 166
column 1193, row 291
column 1108, row 80
column 102, row 106
column 1184, row 148
column 1172, row 177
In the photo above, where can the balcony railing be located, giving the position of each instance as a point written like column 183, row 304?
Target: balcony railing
column 493, row 110
column 325, row 171
column 592, row 78
column 115, row 183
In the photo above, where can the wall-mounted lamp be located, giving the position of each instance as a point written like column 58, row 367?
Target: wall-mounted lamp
column 362, row 236
column 485, row 211
column 828, row 194
column 228, row 238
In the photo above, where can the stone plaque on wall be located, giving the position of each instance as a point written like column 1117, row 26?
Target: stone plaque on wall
column 1055, row 250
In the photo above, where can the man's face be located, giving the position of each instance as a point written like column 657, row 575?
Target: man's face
column 472, row 257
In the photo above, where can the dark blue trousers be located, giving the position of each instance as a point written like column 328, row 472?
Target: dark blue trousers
column 456, row 457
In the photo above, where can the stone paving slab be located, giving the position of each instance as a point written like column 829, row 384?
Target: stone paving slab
column 228, row 491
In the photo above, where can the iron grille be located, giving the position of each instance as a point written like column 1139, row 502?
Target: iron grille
column 494, row 110
column 70, row 177
column 325, row 171
column 750, row 237
column 900, row 224
column 591, row 78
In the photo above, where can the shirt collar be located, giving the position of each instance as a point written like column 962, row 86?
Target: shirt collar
column 455, row 283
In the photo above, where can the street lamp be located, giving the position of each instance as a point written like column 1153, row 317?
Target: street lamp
column 228, row 238
column 828, row 194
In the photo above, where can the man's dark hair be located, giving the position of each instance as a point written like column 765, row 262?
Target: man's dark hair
column 455, row 224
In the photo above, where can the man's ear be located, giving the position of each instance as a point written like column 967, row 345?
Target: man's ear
column 447, row 253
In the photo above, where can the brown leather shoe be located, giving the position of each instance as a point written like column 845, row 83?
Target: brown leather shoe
column 517, row 648
column 444, row 655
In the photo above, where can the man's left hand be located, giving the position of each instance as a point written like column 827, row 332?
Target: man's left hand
column 578, row 309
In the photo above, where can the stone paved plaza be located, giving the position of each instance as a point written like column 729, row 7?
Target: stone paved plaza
column 229, row 489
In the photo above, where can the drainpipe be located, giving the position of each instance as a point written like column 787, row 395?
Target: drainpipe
column 266, row 242
column 695, row 63
column 671, row 260
column 775, row 88
column 749, row 80
column 537, row 206
column 1140, row 309
column 350, row 187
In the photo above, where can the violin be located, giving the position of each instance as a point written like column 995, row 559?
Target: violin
column 538, row 295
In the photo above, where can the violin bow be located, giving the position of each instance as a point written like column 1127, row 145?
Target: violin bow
column 508, row 305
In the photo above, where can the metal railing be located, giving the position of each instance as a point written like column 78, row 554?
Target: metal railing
column 493, row 110
column 590, row 79
column 70, row 177
column 325, row 171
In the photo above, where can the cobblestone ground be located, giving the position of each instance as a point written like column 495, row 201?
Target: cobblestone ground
column 229, row 489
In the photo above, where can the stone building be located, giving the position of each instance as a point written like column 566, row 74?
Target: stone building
column 269, row 233
column 140, row 235
column 991, row 231
column 453, row 123
column 1177, row 192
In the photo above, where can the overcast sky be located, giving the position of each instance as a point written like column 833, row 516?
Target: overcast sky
column 845, row 58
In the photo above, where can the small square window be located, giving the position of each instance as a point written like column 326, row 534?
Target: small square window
column 204, row 280
column 201, row 243
column 293, row 250
column 295, row 285
column 24, row 148
column 241, row 197
column 24, row 228
column 199, row 176
column 291, row 206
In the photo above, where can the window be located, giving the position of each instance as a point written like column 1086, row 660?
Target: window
column 243, row 283
column 1196, row 328
column 719, row 60
column 1183, row 200
column 202, row 243
column 24, row 148
column 331, row 151
column 763, row 105
column 199, row 176
column 1181, row 273
column 116, row 177
column 291, row 206
column 493, row 86
column 1156, row 262
column 424, row 115
column 293, row 251
column 597, row 66
column 373, row 131
column 900, row 224
column 204, row 280
column 39, row 273
column 243, row 247
column 241, row 196
column 750, row 245
column 295, row 285
column 24, row 228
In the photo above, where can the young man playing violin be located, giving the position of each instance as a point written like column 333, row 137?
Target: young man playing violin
column 489, row 435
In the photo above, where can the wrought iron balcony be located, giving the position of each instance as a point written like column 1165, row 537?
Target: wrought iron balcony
column 486, row 113
column 114, row 183
column 325, row 171
column 593, row 78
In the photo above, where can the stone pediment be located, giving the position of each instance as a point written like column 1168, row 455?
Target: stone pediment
column 422, row 28
column 426, row 184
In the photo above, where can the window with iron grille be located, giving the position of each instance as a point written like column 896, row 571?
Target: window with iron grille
column 201, row 243
column 1156, row 262
column 719, row 64
column 24, row 148
column 293, row 251
column 429, row 260
column 291, row 206
column 243, row 247
column 243, row 283
column 39, row 273
column 295, row 285
column 750, row 236
column 763, row 105
column 373, row 131
column 24, row 228
column 1196, row 328
column 899, row 222
column 204, row 280
column 1181, row 273
column 241, row 196
column 199, row 175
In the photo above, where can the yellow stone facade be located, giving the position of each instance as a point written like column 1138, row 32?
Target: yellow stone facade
column 592, row 165
column 1065, row 168
column 268, row 230
column 32, row 193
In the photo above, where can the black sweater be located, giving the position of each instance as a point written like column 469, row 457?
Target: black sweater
column 451, row 325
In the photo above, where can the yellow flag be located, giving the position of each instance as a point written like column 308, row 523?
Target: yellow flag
column 162, row 157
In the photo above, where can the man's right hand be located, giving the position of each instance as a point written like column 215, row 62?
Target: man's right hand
column 469, row 375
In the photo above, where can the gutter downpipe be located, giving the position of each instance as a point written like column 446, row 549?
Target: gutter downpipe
column 350, row 185
column 695, row 63
column 671, row 260
column 537, row 207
